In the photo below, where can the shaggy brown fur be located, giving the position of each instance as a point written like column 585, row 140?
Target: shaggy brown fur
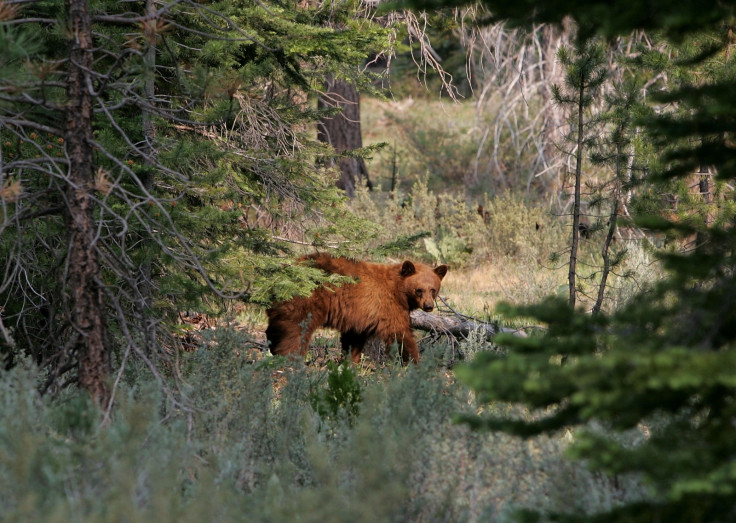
column 377, row 304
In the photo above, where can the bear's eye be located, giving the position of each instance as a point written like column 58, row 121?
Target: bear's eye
column 434, row 293
column 418, row 292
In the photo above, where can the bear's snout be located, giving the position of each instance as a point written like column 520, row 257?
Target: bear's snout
column 428, row 308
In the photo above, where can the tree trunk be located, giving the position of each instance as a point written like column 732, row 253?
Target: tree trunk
column 149, row 155
column 342, row 131
column 606, row 253
column 612, row 219
column 456, row 325
column 84, row 271
column 704, row 187
column 576, row 204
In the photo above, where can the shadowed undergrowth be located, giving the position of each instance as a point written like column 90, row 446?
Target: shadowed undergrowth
column 254, row 444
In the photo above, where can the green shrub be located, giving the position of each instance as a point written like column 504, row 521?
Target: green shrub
column 342, row 393
column 418, row 142
column 518, row 229
column 246, row 444
column 446, row 229
column 442, row 225
column 454, row 144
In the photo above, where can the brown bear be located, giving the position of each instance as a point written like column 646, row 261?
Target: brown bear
column 378, row 304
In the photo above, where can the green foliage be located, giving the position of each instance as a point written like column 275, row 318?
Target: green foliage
column 341, row 394
column 443, row 222
column 648, row 391
column 402, row 244
column 248, row 444
column 448, row 230
column 651, row 385
column 585, row 73
column 520, row 229
column 662, row 364
column 205, row 162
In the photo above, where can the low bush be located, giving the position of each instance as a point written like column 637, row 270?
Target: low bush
column 456, row 144
column 246, row 443
column 504, row 228
column 419, row 142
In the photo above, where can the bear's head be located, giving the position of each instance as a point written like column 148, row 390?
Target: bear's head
column 421, row 284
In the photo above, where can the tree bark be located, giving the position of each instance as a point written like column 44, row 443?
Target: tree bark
column 456, row 325
column 84, row 270
column 612, row 219
column 149, row 153
column 606, row 253
column 342, row 131
column 704, row 188
column 576, row 204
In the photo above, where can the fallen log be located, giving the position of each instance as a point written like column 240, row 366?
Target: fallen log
column 457, row 325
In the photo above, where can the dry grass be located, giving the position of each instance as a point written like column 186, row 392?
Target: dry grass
column 478, row 289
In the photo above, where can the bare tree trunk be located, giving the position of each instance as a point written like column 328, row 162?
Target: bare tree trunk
column 84, row 270
column 509, row 68
column 607, row 255
column 576, row 205
column 343, row 132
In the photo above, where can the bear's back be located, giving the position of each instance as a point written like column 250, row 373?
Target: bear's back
column 346, row 267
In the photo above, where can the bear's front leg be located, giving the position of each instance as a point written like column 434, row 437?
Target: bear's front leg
column 406, row 344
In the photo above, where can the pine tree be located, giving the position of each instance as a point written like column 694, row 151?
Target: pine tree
column 585, row 74
column 153, row 157
column 651, row 388
column 615, row 149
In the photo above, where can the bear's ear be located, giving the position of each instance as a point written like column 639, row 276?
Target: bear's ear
column 407, row 269
column 441, row 271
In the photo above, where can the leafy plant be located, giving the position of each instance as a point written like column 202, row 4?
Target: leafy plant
column 342, row 393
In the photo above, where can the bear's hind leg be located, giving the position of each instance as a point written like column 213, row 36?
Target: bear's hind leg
column 289, row 336
column 353, row 343
column 283, row 338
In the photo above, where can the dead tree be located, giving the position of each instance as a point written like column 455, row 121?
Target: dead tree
column 458, row 326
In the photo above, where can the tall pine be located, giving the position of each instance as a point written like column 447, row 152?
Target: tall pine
column 156, row 158
column 585, row 72
column 652, row 387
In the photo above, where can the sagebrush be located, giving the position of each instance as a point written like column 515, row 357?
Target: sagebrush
column 248, row 444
